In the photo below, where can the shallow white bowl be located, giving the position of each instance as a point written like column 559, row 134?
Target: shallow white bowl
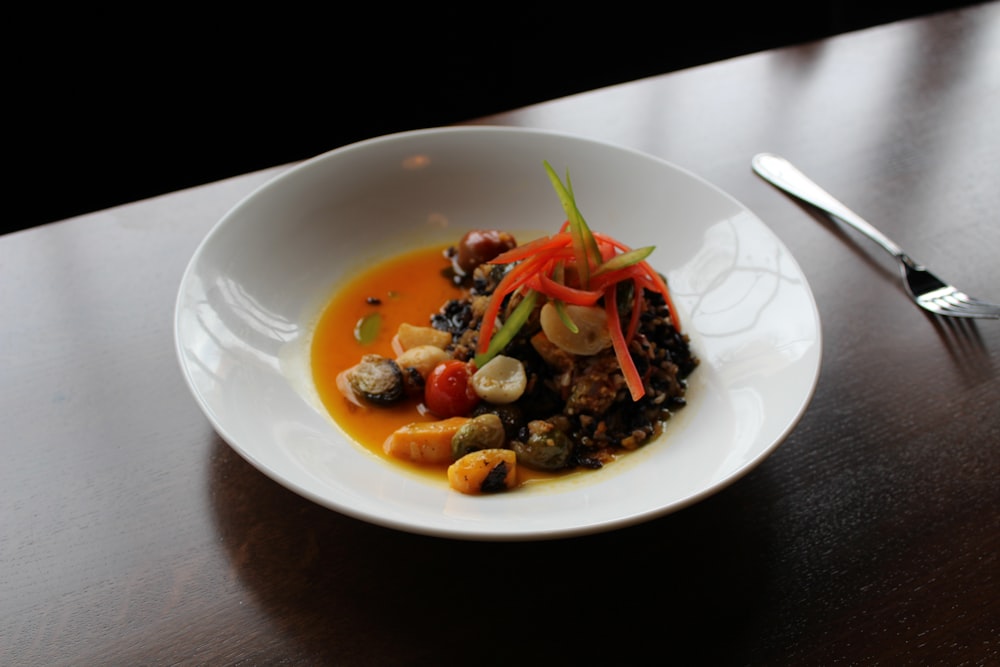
column 255, row 287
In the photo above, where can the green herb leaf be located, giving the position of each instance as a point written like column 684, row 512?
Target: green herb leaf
column 564, row 316
column 558, row 275
column 625, row 259
column 509, row 329
column 587, row 236
column 367, row 328
column 584, row 245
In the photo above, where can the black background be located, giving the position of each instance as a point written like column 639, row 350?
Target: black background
column 109, row 107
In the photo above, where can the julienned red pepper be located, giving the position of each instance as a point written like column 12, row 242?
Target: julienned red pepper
column 631, row 373
column 567, row 267
column 555, row 290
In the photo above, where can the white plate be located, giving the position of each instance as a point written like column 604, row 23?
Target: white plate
column 256, row 285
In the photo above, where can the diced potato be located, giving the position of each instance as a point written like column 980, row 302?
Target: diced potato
column 409, row 336
column 422, row 357
column 424, row 442
column 484, row 471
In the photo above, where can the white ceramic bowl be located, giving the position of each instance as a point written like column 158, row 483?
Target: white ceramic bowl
column 256, row 285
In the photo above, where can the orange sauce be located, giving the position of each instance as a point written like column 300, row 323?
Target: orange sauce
column 409, row 288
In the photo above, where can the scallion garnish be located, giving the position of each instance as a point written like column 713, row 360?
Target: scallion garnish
column 574, row 266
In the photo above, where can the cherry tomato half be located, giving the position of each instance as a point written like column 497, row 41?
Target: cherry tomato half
column 448, row 391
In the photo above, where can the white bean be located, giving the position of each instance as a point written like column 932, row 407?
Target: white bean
column 592, row 322
column 501, row 380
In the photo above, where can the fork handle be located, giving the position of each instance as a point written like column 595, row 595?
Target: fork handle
column 783, row 174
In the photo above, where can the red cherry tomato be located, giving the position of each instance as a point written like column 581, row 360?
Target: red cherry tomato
column 448, row 391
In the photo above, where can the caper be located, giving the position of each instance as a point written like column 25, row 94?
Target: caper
column 377, row 379
column 546, row 447
column 482, row 432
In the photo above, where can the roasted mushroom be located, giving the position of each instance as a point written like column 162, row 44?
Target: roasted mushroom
column 377, row 379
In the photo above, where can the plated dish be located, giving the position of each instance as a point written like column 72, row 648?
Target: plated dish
column 500, row 363
column 252, row 294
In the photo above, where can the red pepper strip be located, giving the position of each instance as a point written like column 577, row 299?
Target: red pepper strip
column 639, row 281
column 631, row 373
column 533, row 247
column 514, row 279
column 491, row 313
column 554, row 255
column 637, row 306
column 510, row 328
column 603, row 280
column 607, row 250
column 591, row 242
column 527, row 271
column 661, row 287
column 646, row 282
column 488, row 323
column 615, row 243
column 649, row 278
column 554, row 290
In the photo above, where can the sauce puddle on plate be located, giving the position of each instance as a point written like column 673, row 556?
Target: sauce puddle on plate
column 408, row 288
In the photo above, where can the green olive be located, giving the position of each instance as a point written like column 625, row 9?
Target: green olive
column 547, row 447
column 482, row 432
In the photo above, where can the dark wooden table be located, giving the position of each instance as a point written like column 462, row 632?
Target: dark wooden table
column 132, row 534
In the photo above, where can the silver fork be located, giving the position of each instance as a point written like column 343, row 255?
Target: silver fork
column 926, row 289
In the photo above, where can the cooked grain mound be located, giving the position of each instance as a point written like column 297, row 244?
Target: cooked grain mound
column 584, row 397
